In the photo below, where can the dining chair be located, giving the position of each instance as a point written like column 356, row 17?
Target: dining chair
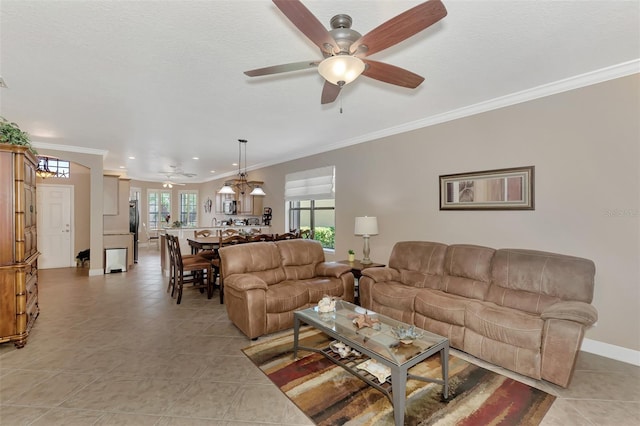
column 202, row 233
column 286, row 236
column 229, row 232
column 225, row 241
column 189, row 269
column 306, row 233
column 151, row 238
column 259, row 237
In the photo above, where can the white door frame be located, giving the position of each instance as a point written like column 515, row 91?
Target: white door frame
column 71, row 254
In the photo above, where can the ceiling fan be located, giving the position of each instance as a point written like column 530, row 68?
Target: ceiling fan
column 177, row 172
column 170, row 184
column 344, row 49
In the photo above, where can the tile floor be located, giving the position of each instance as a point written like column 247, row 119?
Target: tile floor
column 117, row 350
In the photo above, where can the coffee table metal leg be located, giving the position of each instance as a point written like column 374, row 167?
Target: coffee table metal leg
column 399, row 391
column 296, row 330
column 444, row 361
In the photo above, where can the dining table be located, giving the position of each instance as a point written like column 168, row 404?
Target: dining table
column 198, row 244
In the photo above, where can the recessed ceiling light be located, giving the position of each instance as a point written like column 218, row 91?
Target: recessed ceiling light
column 212, row 171
column 195, row 158
column 122, row 167
column 234, row 164
column 132, row 158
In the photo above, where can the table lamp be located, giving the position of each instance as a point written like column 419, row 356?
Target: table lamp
column 366, row 226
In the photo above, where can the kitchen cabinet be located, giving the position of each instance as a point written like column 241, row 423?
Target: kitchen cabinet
column 111, row 192
column 18, row 246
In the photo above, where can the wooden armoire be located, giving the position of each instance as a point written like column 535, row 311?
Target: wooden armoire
column 18, row 244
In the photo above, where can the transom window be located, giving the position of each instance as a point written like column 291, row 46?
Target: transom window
column 60, row 168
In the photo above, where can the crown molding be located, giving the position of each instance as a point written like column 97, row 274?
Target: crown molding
column 582, row 80
column 69, row 148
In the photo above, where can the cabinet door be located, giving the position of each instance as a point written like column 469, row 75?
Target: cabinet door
column 245, row 202
column 7, row 302
column 7, row 213
column 257, row 205
column 111, row 195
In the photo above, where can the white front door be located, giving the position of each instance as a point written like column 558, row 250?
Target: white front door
column 55, row 226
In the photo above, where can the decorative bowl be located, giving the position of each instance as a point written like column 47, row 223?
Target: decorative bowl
column 406, row 334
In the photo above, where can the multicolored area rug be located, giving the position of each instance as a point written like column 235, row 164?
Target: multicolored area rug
column 330, row 395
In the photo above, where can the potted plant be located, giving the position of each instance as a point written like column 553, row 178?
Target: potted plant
column 10, row 133
column 352, row 255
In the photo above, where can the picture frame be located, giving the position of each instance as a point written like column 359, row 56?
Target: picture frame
column 500, row 189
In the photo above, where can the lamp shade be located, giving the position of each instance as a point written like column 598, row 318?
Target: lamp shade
column 257, row 191
column 226, row 189
column 341, row 69
column 367, row 225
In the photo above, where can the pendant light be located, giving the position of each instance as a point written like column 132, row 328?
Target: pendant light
column 242, row 182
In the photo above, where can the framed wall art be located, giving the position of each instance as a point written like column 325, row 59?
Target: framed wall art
column 501, row 189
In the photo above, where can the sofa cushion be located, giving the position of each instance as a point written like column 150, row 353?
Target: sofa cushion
column 532, row 280
column 286, row 296
column 467, row 270
column 261, row 259
column 393, row 299
column 441, row 306
column 420, row 263
column 323, row 286
column 504, row 325
column 299, row 257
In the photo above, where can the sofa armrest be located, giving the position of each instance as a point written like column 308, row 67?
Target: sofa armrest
column 331, row 269
column 245, row 282
column 580, row 312
column 382, row 274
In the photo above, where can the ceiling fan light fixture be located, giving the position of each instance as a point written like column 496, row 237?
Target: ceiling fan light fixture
column 341, row 69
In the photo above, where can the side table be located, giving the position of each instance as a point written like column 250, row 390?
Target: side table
column 356, row 270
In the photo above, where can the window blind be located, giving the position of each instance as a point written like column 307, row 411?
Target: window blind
column 314, row 184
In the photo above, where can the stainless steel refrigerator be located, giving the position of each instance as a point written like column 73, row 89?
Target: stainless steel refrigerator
column 134, row 223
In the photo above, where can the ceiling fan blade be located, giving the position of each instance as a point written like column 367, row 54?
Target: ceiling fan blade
column 276, row 69
column 400, row 28
column 308, row 24
column 329, row 93
column 391, row 74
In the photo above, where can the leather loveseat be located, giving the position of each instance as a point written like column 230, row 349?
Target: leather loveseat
column 265, row 282
column 523, row 310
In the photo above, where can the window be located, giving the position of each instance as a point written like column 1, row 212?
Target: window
column 310, row 196
column 317, row 215
column 159, row 204
column 189, row 208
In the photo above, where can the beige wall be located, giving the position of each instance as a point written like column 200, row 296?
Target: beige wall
column 94, row 167
column 585, row 147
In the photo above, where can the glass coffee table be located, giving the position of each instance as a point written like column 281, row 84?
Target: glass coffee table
column 378, row 347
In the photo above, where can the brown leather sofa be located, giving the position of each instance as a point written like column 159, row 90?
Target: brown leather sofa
column 265, row 282
column 523, row 310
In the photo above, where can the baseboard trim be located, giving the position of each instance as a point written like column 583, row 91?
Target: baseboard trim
column 93, row 272
column 611, row 351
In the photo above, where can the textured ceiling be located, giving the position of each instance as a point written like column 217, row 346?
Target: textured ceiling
column 163, row 80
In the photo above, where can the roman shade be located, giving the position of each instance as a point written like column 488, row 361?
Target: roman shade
column 314, row 184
